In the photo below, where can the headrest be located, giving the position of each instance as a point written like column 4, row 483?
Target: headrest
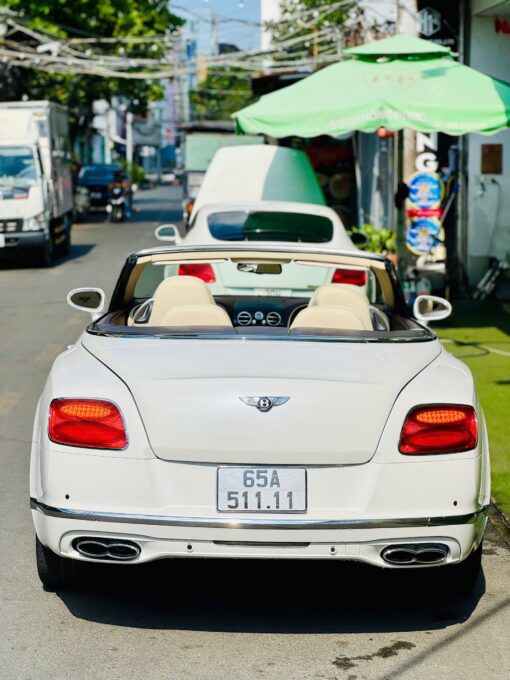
column 196, row 315
column 176, row 291
column 336, row 293
column 344, row 295
column 335, row 318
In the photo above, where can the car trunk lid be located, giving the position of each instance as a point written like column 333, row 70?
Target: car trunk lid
column 191, row 395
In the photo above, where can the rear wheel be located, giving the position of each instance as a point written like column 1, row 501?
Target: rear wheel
column 43, row 255
column 118, row 214
column 65, row 246
column 54, row 571
column 461, row 579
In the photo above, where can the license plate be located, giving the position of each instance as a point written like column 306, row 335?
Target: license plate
column 2, row 241
column 96, row 194
column 261, row 489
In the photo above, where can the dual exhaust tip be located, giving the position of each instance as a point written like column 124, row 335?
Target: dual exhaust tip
column 109, row 549
column 415, row 553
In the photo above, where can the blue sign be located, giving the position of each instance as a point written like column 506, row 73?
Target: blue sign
column 426, row 190
column 423, row 235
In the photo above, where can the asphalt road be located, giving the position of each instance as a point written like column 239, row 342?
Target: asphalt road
column 193, row 619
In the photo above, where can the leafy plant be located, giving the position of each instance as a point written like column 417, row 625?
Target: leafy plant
column 67, row 19
column 135, row 171
column 220, row 94
column 379, row 239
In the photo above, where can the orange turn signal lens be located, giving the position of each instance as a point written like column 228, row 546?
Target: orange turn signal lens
column 84, row 409
column 440, row 416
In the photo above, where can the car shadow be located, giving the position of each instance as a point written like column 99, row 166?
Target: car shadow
column 265, row 596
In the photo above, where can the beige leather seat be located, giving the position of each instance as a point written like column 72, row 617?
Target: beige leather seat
column 196, row 315
column 347, row 296
column 329, row 317
column 177, row 291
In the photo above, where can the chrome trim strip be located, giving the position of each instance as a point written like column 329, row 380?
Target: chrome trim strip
column 252, row 522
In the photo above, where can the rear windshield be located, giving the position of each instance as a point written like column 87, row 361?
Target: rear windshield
column 270, row 226
column 106, row 173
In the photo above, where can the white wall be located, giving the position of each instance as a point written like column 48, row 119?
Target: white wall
column 488, row 214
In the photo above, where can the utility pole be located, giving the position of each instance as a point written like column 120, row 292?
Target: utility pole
column 129, row 139
column 214, row 34
column 109, row 133
column 407, row 24
column 315, row 47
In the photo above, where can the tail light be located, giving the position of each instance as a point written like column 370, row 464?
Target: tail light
column 201, row 271
column 355, row 277
column 441, row 428
column 90, row 423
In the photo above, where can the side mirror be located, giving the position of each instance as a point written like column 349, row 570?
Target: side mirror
column 90, row 300
column 168, row 232
column 428, row 308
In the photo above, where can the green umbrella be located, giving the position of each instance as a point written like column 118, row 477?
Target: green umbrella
column 396, row 83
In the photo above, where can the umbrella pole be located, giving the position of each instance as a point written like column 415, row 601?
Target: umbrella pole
column 401, row 216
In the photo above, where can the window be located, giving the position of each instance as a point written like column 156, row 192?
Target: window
column 17, row 166
column 270, row 226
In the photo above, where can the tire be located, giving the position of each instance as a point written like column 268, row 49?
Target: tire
column 118, row 215
column 55, row 572
column 65, row 246
column 461, row 579
column 43, row 255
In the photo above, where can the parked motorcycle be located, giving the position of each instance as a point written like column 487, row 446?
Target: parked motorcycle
column 118, row 206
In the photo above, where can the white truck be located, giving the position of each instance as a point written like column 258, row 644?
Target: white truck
column 36, row 188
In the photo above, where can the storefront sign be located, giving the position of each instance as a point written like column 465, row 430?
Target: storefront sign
column 426, row 190
column 423, row 235
column 414, row 213
column 492, row 159
column 502, row 26
column 436, row 153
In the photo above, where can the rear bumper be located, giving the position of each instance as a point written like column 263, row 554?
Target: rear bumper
column 265, row 524
column 161, row 536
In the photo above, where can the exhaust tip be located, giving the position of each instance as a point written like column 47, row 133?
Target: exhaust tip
column 415, row 554
column 109, row 549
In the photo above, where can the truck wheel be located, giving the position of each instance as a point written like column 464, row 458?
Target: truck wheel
column 65, row 246
column 54, row 571
column 43, row 256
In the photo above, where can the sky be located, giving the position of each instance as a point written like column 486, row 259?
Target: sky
column 245, row 35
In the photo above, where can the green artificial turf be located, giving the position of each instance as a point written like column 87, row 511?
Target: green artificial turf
column 474, row 329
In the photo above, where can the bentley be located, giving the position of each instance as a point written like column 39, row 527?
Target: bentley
column 254, row 400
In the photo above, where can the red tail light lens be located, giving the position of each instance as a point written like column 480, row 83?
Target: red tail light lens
column 356, row 277
column 201, row 271
column 90, row 423
column 442, row 428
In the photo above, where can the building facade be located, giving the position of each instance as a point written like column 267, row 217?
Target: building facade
column 487, row 219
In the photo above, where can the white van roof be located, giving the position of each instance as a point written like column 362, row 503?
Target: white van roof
column 259, row 172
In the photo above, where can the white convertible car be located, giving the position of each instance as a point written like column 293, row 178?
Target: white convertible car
column 181, row 433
